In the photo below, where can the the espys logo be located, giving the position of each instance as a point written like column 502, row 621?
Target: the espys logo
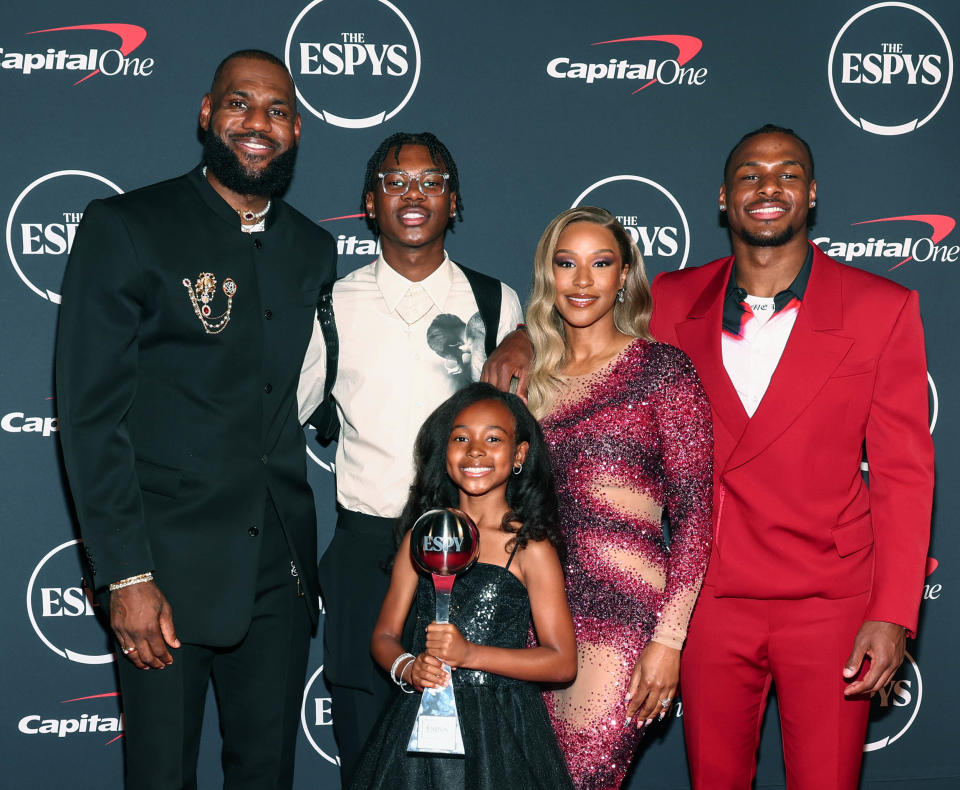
column 61, row 726
column 356, row 63
column 649, row 213
column 908, row 242
column 316, row 718
column 665, row 71
column 61, row 611
column 890, row 68
column 895, row 707
column 42, row 223
column 112, row 62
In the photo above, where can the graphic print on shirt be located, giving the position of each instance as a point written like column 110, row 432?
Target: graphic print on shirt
column 460, row 345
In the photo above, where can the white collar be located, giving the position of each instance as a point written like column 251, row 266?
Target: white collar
column 394, row 285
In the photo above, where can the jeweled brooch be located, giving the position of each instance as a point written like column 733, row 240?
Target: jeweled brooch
column 202, row 293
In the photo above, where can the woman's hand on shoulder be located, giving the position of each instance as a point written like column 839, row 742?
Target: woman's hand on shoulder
column 654, row 682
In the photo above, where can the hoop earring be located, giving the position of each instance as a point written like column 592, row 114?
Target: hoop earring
column 621, row 294
column 517, row 468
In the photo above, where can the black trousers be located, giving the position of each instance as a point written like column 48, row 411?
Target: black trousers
column 258, row 684
column 354, row 580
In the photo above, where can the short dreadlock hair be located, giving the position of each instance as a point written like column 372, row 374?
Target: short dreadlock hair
column 768, row 128
column 438, row 153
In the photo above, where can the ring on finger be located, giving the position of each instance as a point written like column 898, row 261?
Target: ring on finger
column 128, row 650
column 664, row 703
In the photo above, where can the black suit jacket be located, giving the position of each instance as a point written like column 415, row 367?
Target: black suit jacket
column 174, row 438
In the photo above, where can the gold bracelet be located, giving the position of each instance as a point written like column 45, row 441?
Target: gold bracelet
column 138, row 579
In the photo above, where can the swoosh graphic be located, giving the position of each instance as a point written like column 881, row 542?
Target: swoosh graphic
column 131, row 37
column 345, row 216
column 92, row 696
column 940, row 226
column 687, row 47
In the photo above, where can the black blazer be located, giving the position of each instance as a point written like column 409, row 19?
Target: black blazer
column 173, row 437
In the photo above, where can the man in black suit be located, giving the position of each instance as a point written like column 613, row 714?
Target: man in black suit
column 187, row 308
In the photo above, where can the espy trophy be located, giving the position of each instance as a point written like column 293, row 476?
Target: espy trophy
column 443, row 543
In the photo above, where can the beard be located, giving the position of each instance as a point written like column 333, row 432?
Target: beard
column 768, row 241
column 229, row 170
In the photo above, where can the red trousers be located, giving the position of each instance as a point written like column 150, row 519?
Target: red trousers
column 735, row 649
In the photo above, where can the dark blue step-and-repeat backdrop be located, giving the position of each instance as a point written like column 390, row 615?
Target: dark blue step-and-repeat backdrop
column 620, row 103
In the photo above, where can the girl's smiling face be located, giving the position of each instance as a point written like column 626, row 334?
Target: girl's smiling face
column 482, row 449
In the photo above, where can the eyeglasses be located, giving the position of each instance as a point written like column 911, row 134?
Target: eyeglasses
column 398, row 183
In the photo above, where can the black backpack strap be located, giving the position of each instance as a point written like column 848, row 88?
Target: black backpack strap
column 328, row 325
column 325, row 419
column 488, row 294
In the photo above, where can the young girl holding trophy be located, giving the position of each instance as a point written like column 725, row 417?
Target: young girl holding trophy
column 481, row 452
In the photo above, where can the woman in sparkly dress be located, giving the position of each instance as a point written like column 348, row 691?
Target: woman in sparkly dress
column 629, row 431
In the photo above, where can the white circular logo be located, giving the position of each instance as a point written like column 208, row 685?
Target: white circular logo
column 61, row 611
column 316, row 718
column 356, row 63
column 895, row 707
column 42, row 223
column 890, row 68
column 649, row 213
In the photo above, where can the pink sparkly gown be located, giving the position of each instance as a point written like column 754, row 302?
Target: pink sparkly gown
column 628, row 442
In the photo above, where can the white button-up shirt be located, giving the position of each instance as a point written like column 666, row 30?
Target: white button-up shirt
column 751, row 358
column 391, row 374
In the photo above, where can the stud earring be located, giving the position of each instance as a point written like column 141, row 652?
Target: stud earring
column 813, row 203
column 723, row 206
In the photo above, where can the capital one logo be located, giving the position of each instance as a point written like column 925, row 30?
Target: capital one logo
column 64, row 724
column 632, row 60
column 931, row 590
column 356, row 63
column 649, row 213
column 42, row 223
column 21, row 422
column 112, row 62
column 895, row 707
column 316, row 718
column 61, row 611
column 352, row 235
column 890, row 68
column 898, row 240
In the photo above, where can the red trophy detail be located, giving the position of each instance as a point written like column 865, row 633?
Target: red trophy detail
column 443, row 543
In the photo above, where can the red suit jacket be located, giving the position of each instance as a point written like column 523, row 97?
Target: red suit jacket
column 793, row 517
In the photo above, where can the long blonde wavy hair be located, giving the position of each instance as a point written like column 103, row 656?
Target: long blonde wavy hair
column 544, row 324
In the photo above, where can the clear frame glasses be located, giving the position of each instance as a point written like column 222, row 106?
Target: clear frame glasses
column 398, row 183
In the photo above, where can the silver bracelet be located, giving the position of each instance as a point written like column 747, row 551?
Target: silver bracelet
column 140, row 578
column 406, row 688
column 396, row 661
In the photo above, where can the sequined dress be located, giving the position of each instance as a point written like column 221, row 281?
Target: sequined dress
column 508, row 741
column 629, row 443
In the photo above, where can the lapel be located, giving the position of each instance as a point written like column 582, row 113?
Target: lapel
column 812, row 353
column 699, row 337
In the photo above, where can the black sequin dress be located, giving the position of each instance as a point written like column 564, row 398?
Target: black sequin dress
column 508, row 741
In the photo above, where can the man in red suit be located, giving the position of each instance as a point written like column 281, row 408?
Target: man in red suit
column 815, row 575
